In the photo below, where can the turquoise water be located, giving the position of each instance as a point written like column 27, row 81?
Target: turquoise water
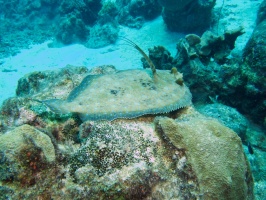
column 48, row 47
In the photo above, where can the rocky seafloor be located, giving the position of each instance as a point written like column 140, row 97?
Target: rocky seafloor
column 205, row 151
column 179, row 155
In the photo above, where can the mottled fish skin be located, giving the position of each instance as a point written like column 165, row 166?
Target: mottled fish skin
column 55, row 105
column 125, row 94
column 130, row 115
column 83, row 85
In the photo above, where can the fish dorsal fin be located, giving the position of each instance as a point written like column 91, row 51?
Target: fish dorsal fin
column 152, row 66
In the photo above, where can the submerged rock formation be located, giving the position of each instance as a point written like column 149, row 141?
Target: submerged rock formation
column 24, row 152
column 178, row 155
column 134, row 13
column 261, row 12
column 190, row 16
column 254, row 56
column 212, row 73
column 215, row 155
column 160, row 57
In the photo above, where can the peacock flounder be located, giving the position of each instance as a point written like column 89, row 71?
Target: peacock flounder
column 125, row 94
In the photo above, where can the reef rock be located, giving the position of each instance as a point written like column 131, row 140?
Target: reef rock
column 215, row 154
column 192, row 16
column 127, row 159
column 227, row 116
column 160, row 57
column 107, row 32
column 17, row 139
column 23, row 150
column 137, row 158
column 209, row 45
column 261, row 12
column 133, row 13
column 56, row 83
column 200, row 57
column 254, row 68
column 255, row 50
column 211, row 72
column 160, row 158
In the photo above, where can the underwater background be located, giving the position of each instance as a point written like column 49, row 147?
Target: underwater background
column 51, row 53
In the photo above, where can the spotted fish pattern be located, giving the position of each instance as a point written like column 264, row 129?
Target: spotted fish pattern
column 124, row 94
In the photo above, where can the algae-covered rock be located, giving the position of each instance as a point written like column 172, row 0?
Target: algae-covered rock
column 215, row 153
column 134, row 13
column 261, row 12
column 160, row 57
column 127, row 159
column 15, row 141
column 107, row 32
column 55, row 83
column 255, row 73
column 75, row 19
column 203, row 159
column 193, row 16
column 115, row 159
column 23, row 150
column 227, row 116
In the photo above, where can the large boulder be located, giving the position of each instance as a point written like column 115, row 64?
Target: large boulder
column 215, row 154
column 262, row 12
column 254, row 57
column 191, row 16
column 142, row 157
column 255, row 50
column 134, row 13
column 24, row 151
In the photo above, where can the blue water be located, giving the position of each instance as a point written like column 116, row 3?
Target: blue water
column 42, row 35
